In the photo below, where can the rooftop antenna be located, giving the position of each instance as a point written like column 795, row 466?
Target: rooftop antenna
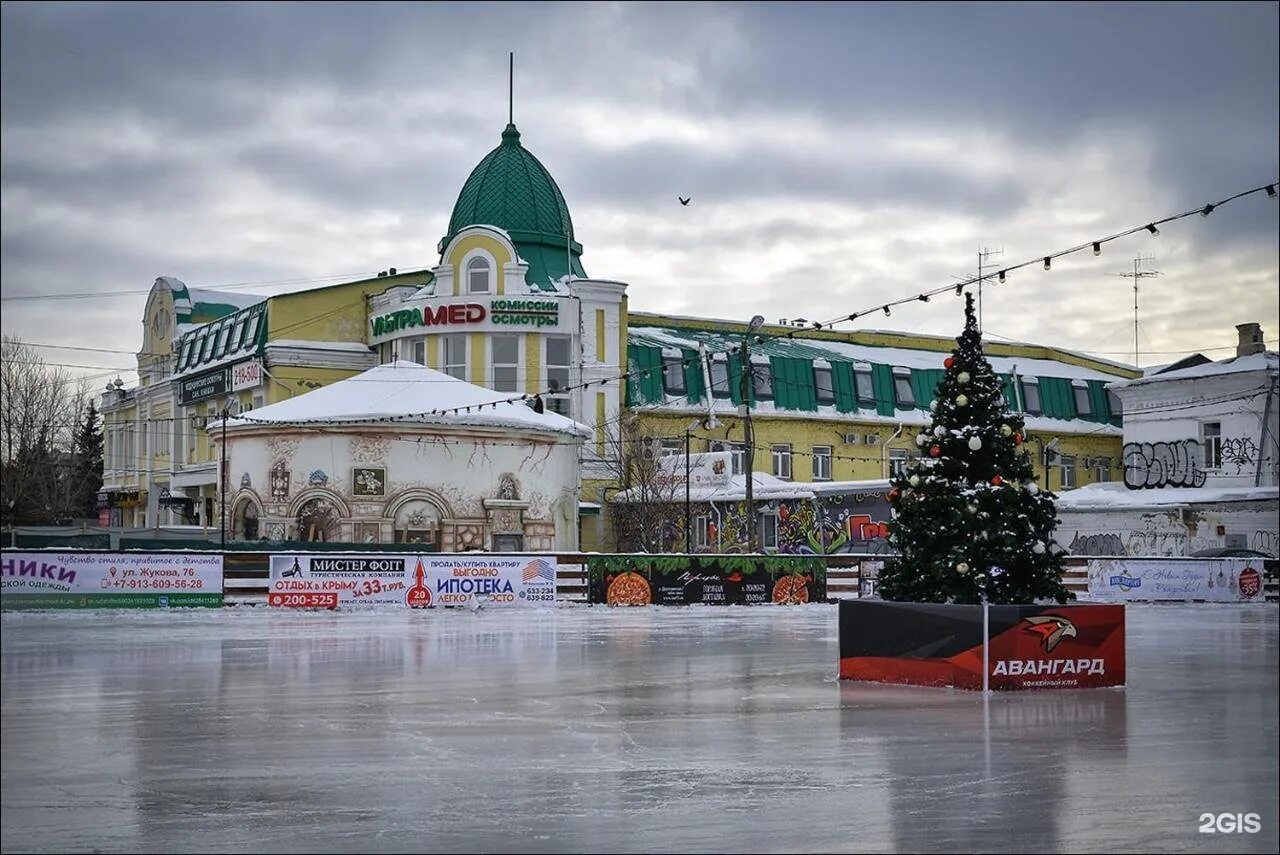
column 1136, row 276
column 984, row 254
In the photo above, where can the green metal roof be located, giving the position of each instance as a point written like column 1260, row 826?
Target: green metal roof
column 511, row 189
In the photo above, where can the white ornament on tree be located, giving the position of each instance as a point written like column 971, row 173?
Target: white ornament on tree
column 962, row 378
column 1005, row 430
column 1032, row 488
column 973, row 509
column 914, row 480
column 962, row 568
column 939, row 432
column 962, row 401
column 975, row 443
column 921, row 439
column 1038, row 547
column 933, row 405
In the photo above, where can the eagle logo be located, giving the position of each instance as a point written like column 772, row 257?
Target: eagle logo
column 1051, row 628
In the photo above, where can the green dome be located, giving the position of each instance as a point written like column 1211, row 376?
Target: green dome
column 512, row 190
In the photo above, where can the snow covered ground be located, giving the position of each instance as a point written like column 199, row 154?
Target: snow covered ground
column 697, row 729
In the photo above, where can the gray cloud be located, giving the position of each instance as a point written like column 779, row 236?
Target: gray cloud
column 839, row 155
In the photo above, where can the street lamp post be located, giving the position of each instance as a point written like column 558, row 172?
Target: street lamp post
column 748, row 433
column 222, row 479
column 688, row 507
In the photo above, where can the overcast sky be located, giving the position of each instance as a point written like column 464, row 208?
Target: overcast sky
column 837, row 156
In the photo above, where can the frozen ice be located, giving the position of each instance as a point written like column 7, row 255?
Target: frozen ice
column 595, row 729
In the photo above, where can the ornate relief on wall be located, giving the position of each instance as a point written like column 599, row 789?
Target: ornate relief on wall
column 281, row 448
column 280, row 481
column 507, row 521
column 369, row 449
column 508, row 486
column 275, row 531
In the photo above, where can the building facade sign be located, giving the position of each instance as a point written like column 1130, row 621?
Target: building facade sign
column 475, row 313
column 208, row 385
column 246, row 375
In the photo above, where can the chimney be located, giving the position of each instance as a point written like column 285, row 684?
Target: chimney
column 1250, row 339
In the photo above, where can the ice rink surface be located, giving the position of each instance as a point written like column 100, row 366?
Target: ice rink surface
column 591, row 729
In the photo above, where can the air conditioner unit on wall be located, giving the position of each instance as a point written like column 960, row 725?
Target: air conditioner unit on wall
column 851, row 439
column 873, row 439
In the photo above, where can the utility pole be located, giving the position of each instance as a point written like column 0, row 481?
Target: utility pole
column 984, row 254
column 745, row 392
column 222, row 477
column 1137, row 275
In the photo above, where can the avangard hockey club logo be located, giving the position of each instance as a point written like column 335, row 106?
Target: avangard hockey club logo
column 1051, row 629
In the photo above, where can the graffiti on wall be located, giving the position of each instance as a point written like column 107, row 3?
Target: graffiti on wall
column 1097, row 544
column 1242, row 452
column 1162, row 464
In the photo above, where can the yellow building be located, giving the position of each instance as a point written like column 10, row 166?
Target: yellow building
column 204, row 351
column 510, row 307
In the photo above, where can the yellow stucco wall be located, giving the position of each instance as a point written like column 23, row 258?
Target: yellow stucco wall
column 336, row 313
column 478, row 358
column 490, row 244
column 532, row 362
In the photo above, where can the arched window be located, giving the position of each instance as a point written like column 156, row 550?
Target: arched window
column 478, row 275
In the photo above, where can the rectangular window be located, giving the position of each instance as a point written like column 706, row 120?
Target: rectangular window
column 866, row 389
column 386, row 352
column 506, row 362
column 1031, row 395
column 1084, row 407
column 769, row 530
column 701, row 532
column 420, row 351
column 762, row 381
column 1212, row 432
column 1068, row 466
column 782, row 461
column 671, row 446
column 1102, row 469
column 206, row 341
column 673, row 375
column 1113, row 400
column 903, row 394
column 823, row 386
column 898, row 460
column 719, row 378
column 253, row 327
column 558, row 374
column 455, row 355
column 734, row 448
column 258, row 400
column 822, row 463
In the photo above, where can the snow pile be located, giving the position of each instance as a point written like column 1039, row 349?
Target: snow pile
column 406, row 392
column 1114, row 494
column 1267, row 361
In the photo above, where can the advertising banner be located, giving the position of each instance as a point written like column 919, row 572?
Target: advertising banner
column 78, row 580
column 681, row 580
column 201, row 386
column 1223, row 580
column 1030, row 647
column 327, row 580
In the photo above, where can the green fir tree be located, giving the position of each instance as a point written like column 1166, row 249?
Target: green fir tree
column 88, row 465
column 969, row 518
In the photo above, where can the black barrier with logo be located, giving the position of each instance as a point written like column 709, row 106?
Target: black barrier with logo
column 681, row 580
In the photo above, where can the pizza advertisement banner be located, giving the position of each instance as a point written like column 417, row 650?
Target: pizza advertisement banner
column 682, row 580
column 1030, row 647
column 330, row 580
column 79, row 580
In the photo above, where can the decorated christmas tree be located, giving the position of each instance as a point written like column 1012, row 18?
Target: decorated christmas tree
column 969, row 518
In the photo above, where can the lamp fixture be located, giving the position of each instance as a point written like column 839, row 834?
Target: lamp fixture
column 1206, row 210
column 1048, row 260
column 1097, row 247
column 1151, row 227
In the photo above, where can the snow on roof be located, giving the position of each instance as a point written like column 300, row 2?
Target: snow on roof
column 408, row 392
column 810, row 348
column 1114, row 494
column 240, row 301
column 910, row 418
column 1267, row 361
column 763, row 488
column 344, row 346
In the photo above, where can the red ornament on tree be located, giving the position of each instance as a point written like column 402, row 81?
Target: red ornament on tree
column 936, row 451
column 948, row 362
column 997, row 480
column 893, row 494
column 1017, row 439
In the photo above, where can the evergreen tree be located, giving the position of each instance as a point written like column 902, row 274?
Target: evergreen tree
column 969, row 518
column 88, row 465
